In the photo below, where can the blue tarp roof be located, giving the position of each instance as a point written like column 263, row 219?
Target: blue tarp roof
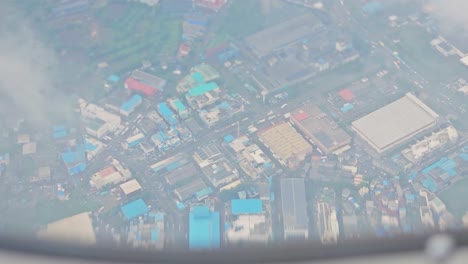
column 113, row 78
column 132, row 103
column 204, row 228
column 346, row 107
column 134, row 209
column 198, row 77
column 228, row 138
column 80, row 167
column 430, row 184
column 246, row 206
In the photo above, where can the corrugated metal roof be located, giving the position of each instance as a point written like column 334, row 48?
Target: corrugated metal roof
column 246, row 206
column 134, row 209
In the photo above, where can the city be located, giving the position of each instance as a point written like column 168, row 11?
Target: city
column 190, row 129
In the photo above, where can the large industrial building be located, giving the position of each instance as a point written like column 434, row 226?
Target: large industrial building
column 294, row 207
column 204, row 228
column 271, row 39
column 327, row 223
column 286, row 144
column 320, row 128
column 74, row 229
column 248, row 222
column 395, row 123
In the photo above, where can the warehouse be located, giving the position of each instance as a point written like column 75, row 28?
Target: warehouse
column 320, row 128
column 395, row 123
column 294, row 207
column 286, row 144
column 266, row 41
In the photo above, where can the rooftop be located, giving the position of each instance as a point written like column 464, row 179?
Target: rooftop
column 134, row 209
column 134, row 101
column 130, row 186
column 275, row 37
column 319, row 127
column 202, row 89
column 74, row 229
column 204, row 228
column 284, row 141
column 294, row 204
column 395, row 122
column 246, row 206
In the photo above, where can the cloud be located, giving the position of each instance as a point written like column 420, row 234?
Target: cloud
column 451, row 15
column 27, row 69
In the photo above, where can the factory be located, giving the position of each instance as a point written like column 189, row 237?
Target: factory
column 253, row 161
column 110, row 175
column 203, row 95
column 157, row 83
column 286, row 144
column 215, row 166
column 320, row 128
column 429, row 144
column 248, row 222
column 294, row 208
column 77, row 229
column 219, row 112
column 327, row 223
column 200, row 74
column 395, row 123
column 130, row 106
column 98, row 121
column 204, row 228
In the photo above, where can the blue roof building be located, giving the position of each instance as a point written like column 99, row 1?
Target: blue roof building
column 202, row 89
column 75, row 161
column 134, row 209
column 246, row 206
column 129, row 106
column 167, row 114
column 204, row 228
column 113, row 78
column 59, row 132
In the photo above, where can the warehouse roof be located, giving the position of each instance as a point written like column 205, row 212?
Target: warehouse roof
column 285, row 142
column 246, row 206
column 294, row 204
column 275, row 37
column 395, row 122
column 75, row 229
column 204, row 228
column 318, row 126
column 130, row 186
column 202, row 89
column 134, row 209
column 133, row 102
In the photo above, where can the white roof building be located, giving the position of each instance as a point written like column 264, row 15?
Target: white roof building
column 130, row 187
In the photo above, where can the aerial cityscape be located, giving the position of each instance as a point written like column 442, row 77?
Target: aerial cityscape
column 207, row 124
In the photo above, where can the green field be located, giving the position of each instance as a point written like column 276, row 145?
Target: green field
column 455, row 197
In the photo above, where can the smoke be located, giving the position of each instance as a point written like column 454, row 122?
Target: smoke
column 27, row 70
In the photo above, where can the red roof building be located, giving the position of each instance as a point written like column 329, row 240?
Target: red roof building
column 137, row 86
column 346, row 94
column 184, row 50
column 300, row 116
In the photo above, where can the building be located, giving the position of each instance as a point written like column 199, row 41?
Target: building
column 29, row 148
column 274, row 38
column 248, row 222
column 327, row 223
column 134, row 209
column 43, row 174
column 134, row 140
column 215, row 166
column 98, row 121
column 179, row 108
column 193, row 27
column 253, row 161
column 152, row 80
column 23, row 139
column 111, row 175
column 186, row 180
column 203, row 95
column 429, row 144
column 131, row 187
column 130, row 106
column 395, row 123
column 200, row 74
column 204, row 228
column 320, row 128
column 294, row 208
column 148, row 233
column 219, row 112
column 286, row 144
column 77, row 229
column 140, row 87
column 74, row 158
